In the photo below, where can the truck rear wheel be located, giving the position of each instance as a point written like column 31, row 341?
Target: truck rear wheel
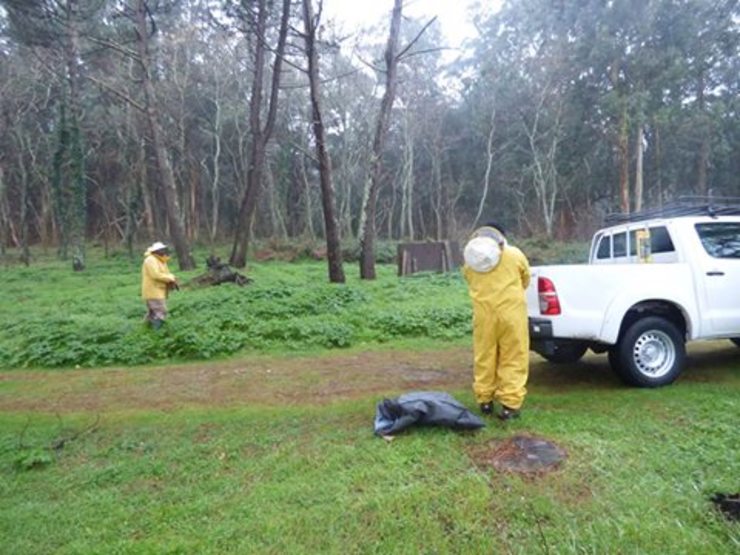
column 651, row 353
column 566, row 352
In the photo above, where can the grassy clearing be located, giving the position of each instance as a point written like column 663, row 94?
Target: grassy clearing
column 55, row 318
column 301, row 478
column 275, row 453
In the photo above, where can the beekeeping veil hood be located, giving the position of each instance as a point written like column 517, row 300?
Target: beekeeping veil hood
column 483, row 252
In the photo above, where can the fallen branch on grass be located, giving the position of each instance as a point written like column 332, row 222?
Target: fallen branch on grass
column 37, row 456
column 218, row 273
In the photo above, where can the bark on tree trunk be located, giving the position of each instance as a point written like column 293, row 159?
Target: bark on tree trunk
column 702, row 158
column 260, row 135
column 23, row 175
column 638, row 167
column 3, row 214
column 308, row 199
column 407, row 183
column 489, row 168
column 622, row 138
column 658, row 163
column 167, row 176
column 367, row 228
column 331, row 227
column 438, row 189
column 216, row 178
column 624, row 163
column 77, row 210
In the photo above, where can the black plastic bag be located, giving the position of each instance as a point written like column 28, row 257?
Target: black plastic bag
column 429, row 408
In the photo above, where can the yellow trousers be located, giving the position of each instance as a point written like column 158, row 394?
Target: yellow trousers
column 501, row 350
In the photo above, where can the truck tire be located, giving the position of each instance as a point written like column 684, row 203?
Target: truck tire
column 566, row 352
column 736, row 341
column 651, row 353
column 613, row 355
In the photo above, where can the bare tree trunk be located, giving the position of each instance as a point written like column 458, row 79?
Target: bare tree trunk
column 47, row 233
column 77, row 211
column 331, row 227
column 638, row 167
column 277, row 221
column 367, row 226
column 147, row 192
column 489, row 167
column 407, row 182
column 174, row 217
column 624, row 162
column 438, row 191
column 308, row 200
column 194, row 180
column 23, row 176
column 3, row 214
column 546, row 180
column 702, row 158
column 658, row 162
column 216, row 177
column 260, row 135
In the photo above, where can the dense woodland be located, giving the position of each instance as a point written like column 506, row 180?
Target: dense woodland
column 227, row 121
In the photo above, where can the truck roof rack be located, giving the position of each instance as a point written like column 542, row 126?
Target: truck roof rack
column 692, row 205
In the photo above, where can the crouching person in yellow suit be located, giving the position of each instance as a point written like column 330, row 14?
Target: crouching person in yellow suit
column 156, row 282
column 498, row 276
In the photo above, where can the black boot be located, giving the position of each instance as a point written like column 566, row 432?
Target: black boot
column 508, row 414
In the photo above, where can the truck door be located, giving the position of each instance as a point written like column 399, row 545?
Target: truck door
column 721, row 241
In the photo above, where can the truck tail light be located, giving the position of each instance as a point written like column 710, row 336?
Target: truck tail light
column 549, row 302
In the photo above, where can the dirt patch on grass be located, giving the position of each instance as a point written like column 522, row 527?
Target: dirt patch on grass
column 279, row 381
column 522, row 454
column 258, row 380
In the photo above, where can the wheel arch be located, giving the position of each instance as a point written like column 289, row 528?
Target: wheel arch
column 671, row 311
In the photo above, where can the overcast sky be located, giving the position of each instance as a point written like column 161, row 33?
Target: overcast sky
column 453, row 15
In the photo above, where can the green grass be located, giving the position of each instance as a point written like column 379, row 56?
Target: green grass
column 297, row 469
column 306, row 479
column 56, row 318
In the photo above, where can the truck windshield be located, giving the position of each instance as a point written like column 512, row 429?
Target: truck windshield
column 720, row 240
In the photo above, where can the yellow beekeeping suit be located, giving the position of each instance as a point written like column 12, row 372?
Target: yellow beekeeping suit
column 500, row 330
column 155, row 276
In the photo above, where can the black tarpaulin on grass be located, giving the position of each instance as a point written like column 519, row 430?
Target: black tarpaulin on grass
column 428, row 408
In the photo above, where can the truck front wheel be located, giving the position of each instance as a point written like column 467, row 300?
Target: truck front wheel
column 651, row 353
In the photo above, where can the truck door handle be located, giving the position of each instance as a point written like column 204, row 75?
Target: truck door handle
column 715, row 273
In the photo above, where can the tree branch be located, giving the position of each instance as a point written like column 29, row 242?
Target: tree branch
column 116, row 92
column 415, row 39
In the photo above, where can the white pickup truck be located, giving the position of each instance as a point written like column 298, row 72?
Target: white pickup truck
column 650, row 285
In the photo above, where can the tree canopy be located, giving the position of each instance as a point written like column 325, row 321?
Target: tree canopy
column 128, row 120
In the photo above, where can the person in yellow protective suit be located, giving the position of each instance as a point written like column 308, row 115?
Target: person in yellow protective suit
column 156, row 283
column 498, row 276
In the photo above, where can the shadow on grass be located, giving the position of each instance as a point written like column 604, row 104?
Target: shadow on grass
column 707, row 362
column 591, row 372
column 713, row 361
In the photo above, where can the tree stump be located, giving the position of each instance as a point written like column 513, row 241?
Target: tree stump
column 218, row 273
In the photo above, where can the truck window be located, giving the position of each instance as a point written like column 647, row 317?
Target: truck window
column 620, row 244
column 720, row 240
column 604, row 250
column 660, row 240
